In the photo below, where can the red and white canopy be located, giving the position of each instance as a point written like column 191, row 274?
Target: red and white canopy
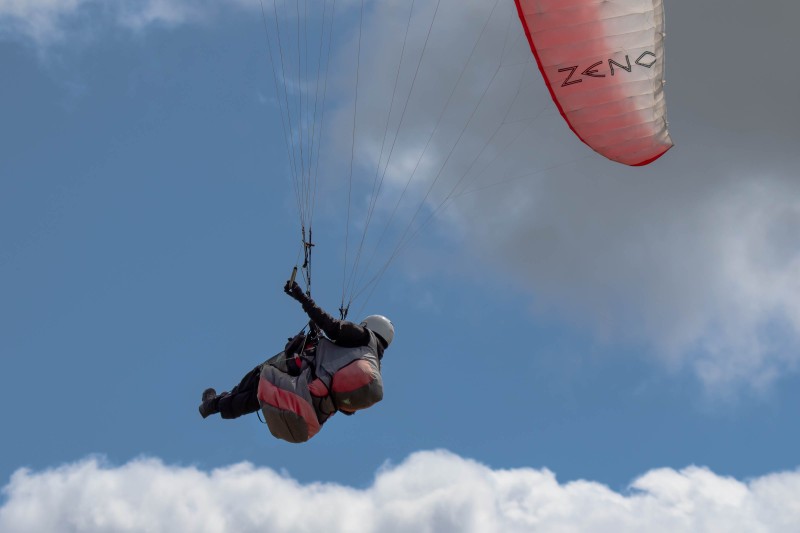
column 603, row 61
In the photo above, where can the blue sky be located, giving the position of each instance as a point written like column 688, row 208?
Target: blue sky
column 596, row 321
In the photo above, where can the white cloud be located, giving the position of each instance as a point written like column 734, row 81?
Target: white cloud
column 140, row 15
column 37, row 19
column 50, row 21
column 430, row 491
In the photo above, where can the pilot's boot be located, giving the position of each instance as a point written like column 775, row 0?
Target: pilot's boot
column 210, row 405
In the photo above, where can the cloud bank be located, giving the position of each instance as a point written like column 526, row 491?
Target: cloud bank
column 429, row 492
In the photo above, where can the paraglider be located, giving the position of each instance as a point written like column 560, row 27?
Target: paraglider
column 315, row 376
column 603, row 63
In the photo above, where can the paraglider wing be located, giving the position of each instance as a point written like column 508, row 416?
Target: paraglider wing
column 603, row 62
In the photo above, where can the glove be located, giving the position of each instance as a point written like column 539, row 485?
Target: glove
column 293, row 289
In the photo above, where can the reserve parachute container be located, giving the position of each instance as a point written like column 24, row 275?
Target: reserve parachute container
column 603, row 63
column 353, row 374
column 297, row 403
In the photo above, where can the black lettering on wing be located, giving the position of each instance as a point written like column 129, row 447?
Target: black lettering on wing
column 646, row 65
column 593, row 72
column 629, row 67
column 569, row 80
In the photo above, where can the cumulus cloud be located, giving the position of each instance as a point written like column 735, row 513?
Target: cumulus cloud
column 696, row 257
column 430, row 491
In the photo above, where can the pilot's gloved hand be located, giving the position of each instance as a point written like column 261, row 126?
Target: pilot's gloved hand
column 293, row 289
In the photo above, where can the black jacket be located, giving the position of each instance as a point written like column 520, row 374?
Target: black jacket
column 342, row 332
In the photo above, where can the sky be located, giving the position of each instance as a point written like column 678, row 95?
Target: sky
column 580, row 346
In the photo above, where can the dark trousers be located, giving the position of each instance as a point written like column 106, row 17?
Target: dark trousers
column 243, row 398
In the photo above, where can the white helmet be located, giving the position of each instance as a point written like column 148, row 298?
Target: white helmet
column 380, row 326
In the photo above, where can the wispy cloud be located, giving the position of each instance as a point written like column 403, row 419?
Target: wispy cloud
column 46, row 22
column 139, row 15
column 430, row 491
column 40, row 20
